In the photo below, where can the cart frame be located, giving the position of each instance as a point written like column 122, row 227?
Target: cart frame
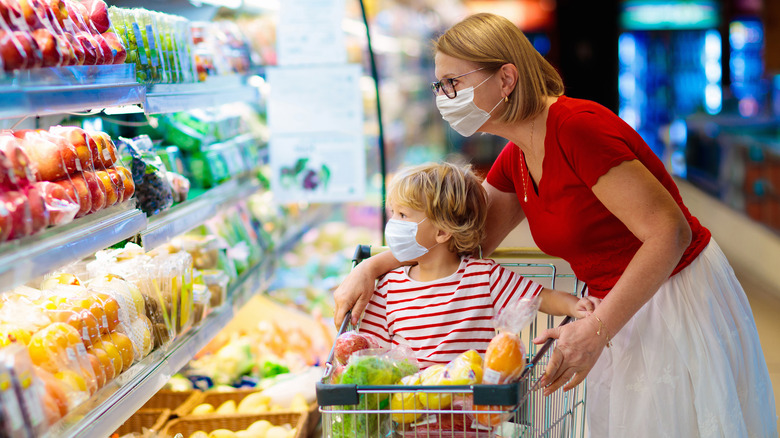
column 362, row 411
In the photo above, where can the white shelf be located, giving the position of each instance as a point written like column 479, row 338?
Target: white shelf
column 183, row 217
column 215, row 91
column 57, row 90
column 31, row 257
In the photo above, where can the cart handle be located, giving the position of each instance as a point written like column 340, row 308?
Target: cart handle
column 346, row 324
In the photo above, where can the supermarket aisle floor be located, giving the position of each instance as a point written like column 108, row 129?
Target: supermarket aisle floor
column 766, row 307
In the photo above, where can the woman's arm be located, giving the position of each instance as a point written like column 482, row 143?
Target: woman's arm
column 355, row 291
column 647, row 209
column 503, row 215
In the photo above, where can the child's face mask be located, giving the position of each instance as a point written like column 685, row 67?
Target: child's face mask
column 401, row 237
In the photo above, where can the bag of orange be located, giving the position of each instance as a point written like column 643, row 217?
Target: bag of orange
column 505, row 357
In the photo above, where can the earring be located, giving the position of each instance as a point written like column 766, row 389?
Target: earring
column 506, row 99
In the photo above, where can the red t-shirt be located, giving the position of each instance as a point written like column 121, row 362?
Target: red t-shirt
column 584, row 140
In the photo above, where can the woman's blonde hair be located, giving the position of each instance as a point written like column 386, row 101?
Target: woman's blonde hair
column 491, row 41
column 452, row 198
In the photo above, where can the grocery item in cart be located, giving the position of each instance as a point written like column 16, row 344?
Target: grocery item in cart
column 505, row 355
column 350, row 342
column 372, row 367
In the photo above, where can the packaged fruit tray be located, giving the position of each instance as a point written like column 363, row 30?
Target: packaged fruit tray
column 149, row 421
column 188, row 426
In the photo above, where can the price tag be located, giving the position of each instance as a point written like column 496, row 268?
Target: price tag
column 152, row 48
column 139, row 42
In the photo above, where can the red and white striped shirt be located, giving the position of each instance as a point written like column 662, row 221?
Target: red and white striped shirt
column 441, row 319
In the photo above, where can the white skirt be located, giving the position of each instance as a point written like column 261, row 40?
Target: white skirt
column 688, row 364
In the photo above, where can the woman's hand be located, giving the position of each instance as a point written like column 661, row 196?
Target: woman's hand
column 577, row 350
column 355, row 291
column 353, row 294
column 585, row 306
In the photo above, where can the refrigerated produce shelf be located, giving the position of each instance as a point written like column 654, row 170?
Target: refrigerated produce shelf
column 183, row 217
column 56, row 90
column 75, row 89
column 31, row 257
column 113, row 404
column 214, row 91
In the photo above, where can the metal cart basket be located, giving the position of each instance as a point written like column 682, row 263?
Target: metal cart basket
column 511, row 410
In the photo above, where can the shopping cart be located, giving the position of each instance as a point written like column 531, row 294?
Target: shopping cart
column 517, row 410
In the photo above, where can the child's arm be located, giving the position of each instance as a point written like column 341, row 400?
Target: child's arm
column 555, row 302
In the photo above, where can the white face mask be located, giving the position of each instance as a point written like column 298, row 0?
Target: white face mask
column 401, row 237
column 463, row 115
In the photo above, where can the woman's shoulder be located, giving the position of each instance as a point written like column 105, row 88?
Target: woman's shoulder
column 567, row 110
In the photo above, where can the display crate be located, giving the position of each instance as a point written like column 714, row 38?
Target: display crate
column 235, row 422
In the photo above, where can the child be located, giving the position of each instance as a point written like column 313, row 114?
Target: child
column 442, row 306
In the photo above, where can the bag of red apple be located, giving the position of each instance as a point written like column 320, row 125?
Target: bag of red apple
column 351, row 341
column 90, row 150
column 16, row 175
column 97, row 50
column 46, row 23
column 12, row 206
column 55, row 158
column 20, row 49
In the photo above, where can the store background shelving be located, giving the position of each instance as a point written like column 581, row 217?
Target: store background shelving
column 55, row 91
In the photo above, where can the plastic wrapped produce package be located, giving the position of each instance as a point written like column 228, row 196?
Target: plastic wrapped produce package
column 152, row 189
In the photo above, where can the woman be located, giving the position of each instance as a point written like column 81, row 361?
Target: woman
column 683, row 357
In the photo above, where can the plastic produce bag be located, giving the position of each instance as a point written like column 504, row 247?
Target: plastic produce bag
column 372, row 367
column 152, row 189
column 505, row 357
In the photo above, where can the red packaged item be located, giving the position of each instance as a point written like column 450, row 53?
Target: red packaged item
column 62, row 207
column 15, row 215
column 98, row 50
column 39, row 213
column 51, row 157
column 18, row 48
column 19, row 173
column 104, row 156
column 81, row 142
column 350, row 342
column 44, row 21
column 76, row 188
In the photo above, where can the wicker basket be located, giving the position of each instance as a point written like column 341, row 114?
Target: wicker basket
column 312, row 419
column 151, row 419
column 216, row 398
column 180, row 403
column 235, row 422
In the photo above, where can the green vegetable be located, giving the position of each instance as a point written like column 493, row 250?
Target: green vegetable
column 271, row 369
column 369, row 370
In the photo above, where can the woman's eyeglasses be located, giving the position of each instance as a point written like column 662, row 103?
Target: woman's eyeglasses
column 447, row 85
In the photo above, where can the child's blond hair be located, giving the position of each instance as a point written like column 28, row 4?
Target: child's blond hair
column 451, row 196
